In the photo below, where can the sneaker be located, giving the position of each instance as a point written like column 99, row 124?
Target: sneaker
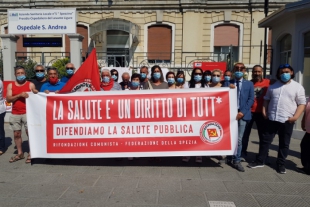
column 255, row 164
column 242, row 159
column 281, row 169
column 238, row 166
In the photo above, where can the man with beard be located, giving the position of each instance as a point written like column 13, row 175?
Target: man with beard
column 39, row 79
column 70, row 71
column 17, row 94
column 260, row 88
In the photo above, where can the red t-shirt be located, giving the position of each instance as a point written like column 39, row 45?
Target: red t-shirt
column 260, row 89
column 19, row 106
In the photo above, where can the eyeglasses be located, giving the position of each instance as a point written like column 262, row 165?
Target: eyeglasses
column 39, row 71
column 284, row 66
column 197, row 74
column 69, row 68
column 216, row 75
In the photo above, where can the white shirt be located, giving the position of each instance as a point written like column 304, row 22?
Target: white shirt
column 284, row 100
column 2, row 102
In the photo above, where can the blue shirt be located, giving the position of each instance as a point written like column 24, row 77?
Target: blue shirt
column 64, row 79
column 52, row 88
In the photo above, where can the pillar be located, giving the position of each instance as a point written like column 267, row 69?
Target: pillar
column 76, row 49
column 8, row 55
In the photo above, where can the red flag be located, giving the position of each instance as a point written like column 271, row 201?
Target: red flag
column 86, row 78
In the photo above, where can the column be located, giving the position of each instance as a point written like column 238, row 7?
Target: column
column 75, row 49
column 8, row 52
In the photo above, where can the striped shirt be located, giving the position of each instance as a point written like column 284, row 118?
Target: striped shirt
column 284, row 100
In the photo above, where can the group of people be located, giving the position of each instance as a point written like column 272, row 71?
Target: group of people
column 274, row 105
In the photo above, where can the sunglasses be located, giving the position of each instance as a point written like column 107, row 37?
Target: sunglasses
column 216, row 75
column 284, row 66
column 39, row 71
column 242, row 67
column 69, row 68
column 197, row 73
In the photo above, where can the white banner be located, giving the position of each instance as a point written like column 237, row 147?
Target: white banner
column 147, row 123
column 42, row 21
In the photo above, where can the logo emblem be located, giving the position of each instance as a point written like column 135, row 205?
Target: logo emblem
column 211, row 132
column 83, row 86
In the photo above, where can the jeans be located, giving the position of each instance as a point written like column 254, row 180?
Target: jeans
column 2, row 133
column 284, row 131
column 305, row 151
column 241, row 129
column 260, row 121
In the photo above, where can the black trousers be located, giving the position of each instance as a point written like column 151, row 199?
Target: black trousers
column 305, row 151
column 260, row 122
column 284, row 131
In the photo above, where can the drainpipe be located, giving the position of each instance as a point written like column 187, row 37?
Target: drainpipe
column 251, row 27
column 265, row 39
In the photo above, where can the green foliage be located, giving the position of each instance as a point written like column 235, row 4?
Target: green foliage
column 60, row 64
column 28, row 65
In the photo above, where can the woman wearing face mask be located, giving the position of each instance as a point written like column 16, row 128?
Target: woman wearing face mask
column 114, row 75
column 196, row 80
column 216, row 78
column 170, row 77
column 180, row 80
column 207, row 77
column 135, row 82
column 108, row 83
column 157, row 79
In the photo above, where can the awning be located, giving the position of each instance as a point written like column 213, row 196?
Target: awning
column 115, row 24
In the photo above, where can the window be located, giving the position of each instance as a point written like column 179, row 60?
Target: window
column 159, row 44
column 285, row 49
column 306, row 71
column 226, row 37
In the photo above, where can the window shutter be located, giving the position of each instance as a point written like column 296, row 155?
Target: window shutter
column 159, row 42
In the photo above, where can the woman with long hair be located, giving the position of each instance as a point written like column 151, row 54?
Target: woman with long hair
column 180, row 80
column 196, row 80
column 157, row 78
column 170, row 78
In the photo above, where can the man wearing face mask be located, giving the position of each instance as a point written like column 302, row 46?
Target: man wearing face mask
column 245, row 99
column 125, row 83
column 260, row 88
column 16, row 94
column 144, row 81
column 108, row 83
column 284, row 102
column 53, row 84
column 70, row 71
column 39, row 79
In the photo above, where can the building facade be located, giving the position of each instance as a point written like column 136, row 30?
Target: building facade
column 173, row 34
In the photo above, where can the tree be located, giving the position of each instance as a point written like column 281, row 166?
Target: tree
column 60, row 64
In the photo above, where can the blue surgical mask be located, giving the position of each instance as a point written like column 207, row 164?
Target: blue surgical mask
column 70, row 72
column 215, row 79
column 285, row 77
column 227, row 78
column 21, row 78
column 106, row 79
column 143, row 75
column 156, row 76
column 238, row 74
column 197, row 78
column 39, row 75
column 114, row 77
column 171, row 80
column 207, row 78
column 180, row 80
column 135, row 84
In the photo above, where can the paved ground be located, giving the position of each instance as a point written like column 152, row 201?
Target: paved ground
column 141, row 182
